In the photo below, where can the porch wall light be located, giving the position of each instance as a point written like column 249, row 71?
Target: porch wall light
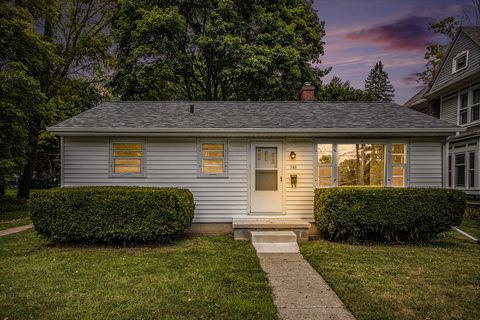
column 293, row 155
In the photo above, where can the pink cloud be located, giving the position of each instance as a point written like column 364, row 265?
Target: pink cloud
column 406, row 34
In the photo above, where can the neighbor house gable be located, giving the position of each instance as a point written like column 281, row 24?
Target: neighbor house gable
column 465, row 43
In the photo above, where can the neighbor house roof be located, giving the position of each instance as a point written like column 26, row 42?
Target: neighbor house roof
column 281, row 118
column 474, row 34
column 417, row 98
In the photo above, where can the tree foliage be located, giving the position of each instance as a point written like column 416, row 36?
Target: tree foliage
column 64, row 46
column 216, row 49
column 339, row 90
column 377, row 84
column 436, row 52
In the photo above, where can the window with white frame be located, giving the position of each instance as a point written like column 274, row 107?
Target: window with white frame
column 462, row 166
column 469, row 106
column 399, row 162
column 475, row 107
column 361, row 164
column 460, row 61
column 325, row 165
column 212, row 159
column 464, row 108
column 127, row 159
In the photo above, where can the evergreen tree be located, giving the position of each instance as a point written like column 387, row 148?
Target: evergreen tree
column 338, row 90
column 377, row 85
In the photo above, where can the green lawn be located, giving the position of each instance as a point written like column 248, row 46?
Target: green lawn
column 436, row 281
column 197, row 278
column 14, row 219
column 19, row 215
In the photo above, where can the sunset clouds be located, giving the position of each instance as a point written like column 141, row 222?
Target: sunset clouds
column 406, row 34
column 360, row 33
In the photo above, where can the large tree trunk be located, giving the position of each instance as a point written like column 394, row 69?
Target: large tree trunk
column 2, row 189
column 25, row 181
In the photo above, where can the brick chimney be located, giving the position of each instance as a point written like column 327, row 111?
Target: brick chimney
column 307, row 93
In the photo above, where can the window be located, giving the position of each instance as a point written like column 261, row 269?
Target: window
column 212, row 159
column 450, row 171
column 460, row 170
column 325, row 168
column 475, row 108
column 471, row 170
column 464, row 108
column 398, row 164
column 361, row 165
column 127, row 159
column 266, row 169
column 460, row 62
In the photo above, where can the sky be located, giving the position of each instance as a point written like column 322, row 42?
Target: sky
column 362, row 32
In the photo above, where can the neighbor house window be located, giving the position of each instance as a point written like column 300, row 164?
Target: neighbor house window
column 398, row 164
column 460, row 62
column 460, row 170
column 212, row 159
column 450, row 171
column 127, row 159
column 471, row 170
column 464, row 108
column 361, row 165
column 475, row 108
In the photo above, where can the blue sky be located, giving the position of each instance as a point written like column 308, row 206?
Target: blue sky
column 360, row 33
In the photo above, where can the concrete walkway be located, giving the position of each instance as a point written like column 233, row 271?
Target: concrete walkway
column 299, row 291
column 6, row 232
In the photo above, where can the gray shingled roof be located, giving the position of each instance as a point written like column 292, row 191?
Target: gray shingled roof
column 473, row 32
column 243, row 116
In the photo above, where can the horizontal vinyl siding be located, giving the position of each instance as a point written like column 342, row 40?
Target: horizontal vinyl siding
column 448, row 109
column 463, row 43
column 169, row 163
column 426, row 163
column 299, row 200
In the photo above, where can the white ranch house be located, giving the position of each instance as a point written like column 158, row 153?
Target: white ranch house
column 245, row 160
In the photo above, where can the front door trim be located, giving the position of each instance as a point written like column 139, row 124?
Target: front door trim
column 280, row 210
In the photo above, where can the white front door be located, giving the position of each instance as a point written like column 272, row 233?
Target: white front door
column 266, row 177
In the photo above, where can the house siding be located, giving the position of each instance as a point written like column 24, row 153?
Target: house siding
column 299, row 199
column 426, row 165
column 173, row 163
column 449, row 109
column 463, row 43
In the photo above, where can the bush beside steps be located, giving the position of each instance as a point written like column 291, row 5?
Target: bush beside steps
column 114, row 215
column 387, row 214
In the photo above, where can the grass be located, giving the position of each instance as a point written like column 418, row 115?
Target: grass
column 13, row 213
column 197, row 278
column 436, row 281
column 14, row 219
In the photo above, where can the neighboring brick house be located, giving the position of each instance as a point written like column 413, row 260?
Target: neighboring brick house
column 454, row 96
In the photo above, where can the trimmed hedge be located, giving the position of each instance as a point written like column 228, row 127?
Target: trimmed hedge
column 387, row 214
column 128, row 215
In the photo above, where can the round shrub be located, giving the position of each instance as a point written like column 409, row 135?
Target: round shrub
column 387, row 214
column 128, row 215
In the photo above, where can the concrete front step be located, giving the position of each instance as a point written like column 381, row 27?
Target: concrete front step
column 242, row 227
column 275, row 241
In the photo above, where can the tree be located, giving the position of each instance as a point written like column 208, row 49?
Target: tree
column 337, row 90
column 22, row 101
column 377, row 84
column 216, row 49
column 448, row 27
column 76, row 34
column 435, row 52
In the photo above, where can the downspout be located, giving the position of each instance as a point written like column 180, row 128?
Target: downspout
column 466, row 235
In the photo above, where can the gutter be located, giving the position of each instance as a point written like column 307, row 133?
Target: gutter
column 73, row 131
